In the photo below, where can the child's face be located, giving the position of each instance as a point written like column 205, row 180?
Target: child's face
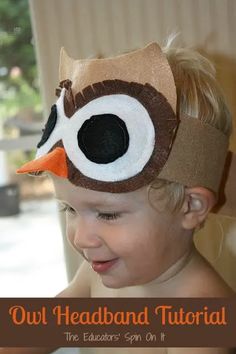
column 122, row 236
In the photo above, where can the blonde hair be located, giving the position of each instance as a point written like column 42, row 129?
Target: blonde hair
column 199, row 96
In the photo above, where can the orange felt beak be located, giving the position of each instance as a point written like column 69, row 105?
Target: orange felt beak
column 54, row 161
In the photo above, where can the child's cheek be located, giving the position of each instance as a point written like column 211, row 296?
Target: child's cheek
column 121, row 240
column 70, row 234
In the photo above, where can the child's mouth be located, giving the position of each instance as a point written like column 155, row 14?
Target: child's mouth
column 103, row 266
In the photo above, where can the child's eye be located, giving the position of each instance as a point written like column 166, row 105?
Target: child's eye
column 109, row 216
column 66, row 208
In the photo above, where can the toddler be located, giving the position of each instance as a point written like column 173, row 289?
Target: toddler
column 135, row 146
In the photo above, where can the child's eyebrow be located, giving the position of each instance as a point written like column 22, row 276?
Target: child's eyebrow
column 98, row 204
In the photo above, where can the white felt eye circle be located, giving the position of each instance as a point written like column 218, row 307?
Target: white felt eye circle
column 57, row 132
column 141, row 138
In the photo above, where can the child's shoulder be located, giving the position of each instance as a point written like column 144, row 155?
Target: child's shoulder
column 200, row 279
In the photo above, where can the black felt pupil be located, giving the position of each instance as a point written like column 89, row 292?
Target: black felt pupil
column 103, row 138
column 50, row 125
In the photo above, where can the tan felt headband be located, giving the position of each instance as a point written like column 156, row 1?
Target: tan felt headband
column 196, row 159
column 198, row 155
column 132, row 100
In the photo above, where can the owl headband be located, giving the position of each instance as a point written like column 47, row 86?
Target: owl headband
column 114, row 127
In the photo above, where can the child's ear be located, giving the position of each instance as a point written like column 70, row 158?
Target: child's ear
column 197, row 204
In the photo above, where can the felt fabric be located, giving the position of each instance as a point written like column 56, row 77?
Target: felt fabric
column 69, row 102
column 137, row 95
column 151, row 125
column 146, row 65
column 57, row 132
column 103, row 138
column 54, row 161
column 182, row 166
column 49, row 127
column 198, row 155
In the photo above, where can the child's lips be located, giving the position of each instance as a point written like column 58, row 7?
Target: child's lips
column 103, row 266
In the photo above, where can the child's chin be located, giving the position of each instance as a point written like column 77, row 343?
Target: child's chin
column 112, row 283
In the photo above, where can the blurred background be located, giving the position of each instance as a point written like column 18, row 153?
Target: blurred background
column 35, row 259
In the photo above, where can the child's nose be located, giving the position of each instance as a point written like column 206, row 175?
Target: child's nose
column 86, row 235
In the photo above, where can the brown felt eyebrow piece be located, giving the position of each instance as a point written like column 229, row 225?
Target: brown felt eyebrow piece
column 69, row 102
column 146, row 94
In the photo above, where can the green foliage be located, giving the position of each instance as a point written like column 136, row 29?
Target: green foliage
column 21, row 91
column 16, row 39
column 17, row 100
